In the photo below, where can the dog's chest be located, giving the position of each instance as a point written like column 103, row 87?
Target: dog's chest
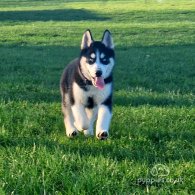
column 92, row 94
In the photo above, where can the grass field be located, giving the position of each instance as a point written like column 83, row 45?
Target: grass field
column 154, row 103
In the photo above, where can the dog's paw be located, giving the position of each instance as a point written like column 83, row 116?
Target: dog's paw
column 88, row 132
column 72, row 134
column 102, row 135
column 81, row 126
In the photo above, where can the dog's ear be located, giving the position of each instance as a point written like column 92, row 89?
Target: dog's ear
column 87, row 39
column 107, row 39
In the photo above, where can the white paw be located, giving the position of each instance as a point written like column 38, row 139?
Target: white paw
column 72, row 133
column 81, row 125
column 102, row 135
column 88, row 132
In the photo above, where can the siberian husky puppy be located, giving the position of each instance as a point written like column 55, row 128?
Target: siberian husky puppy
column 86, row 88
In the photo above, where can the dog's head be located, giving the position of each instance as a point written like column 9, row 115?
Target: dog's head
column 97, row 58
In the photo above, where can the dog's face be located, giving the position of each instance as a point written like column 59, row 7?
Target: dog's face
column 97, row 58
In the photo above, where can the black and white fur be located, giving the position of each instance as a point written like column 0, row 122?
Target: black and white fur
column 83, row 102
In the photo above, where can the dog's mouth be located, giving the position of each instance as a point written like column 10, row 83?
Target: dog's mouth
column 98, row 82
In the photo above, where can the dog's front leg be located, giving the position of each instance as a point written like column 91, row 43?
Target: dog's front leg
column 103, row 121
column 80, row 117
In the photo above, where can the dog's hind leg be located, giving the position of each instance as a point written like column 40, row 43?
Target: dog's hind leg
column 80, row 117
column 92, row 115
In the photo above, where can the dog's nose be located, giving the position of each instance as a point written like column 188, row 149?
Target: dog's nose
column 99, row 73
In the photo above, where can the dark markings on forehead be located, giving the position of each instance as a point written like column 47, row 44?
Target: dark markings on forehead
column 97, row 45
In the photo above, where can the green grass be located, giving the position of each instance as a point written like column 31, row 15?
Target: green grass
column 154, row 102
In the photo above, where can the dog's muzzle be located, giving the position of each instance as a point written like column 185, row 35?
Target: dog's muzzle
column 98, row 80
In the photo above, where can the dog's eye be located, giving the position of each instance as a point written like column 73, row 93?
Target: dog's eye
column 105, row 61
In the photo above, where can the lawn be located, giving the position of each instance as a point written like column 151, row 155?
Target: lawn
column 153, row 121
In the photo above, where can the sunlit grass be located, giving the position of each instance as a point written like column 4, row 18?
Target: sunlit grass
column 153, row 112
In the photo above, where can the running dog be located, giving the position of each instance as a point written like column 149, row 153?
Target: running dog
column 86, row 87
